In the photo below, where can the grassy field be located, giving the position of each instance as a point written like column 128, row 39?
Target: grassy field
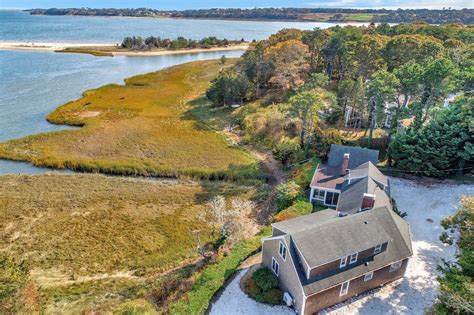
column 88, row 242
column 144, row 127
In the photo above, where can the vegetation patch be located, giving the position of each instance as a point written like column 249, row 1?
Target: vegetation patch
column 298, row 209
column 87, row 236
column 456, row 282
column 144, row 129
column 210, row 280
column 263, row 287
column 79, row 50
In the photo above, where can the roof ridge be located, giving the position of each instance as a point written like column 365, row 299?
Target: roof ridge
column 391, row 215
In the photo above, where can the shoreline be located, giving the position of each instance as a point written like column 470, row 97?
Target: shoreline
column 59, row 47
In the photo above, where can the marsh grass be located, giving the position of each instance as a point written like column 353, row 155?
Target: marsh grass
column 86, row 236
column 79, row 50
column 144, row 127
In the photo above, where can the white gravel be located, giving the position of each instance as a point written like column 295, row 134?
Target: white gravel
column 413, row 294
column 234, row 301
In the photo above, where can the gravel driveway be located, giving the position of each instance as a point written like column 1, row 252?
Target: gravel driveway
column 426, row 206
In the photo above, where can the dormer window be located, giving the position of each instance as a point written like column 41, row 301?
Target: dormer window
column 353, row 258
column 282, row 251
column 343, row 262
column 377, row 249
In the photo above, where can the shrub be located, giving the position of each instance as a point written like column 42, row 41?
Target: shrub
column 265, row 279
column 287, row 149
column 456, row 280
column 251, row 288
column 444, row 237
column 273, row 296
column 287, row 194
column 262, row 286
column 303, row 173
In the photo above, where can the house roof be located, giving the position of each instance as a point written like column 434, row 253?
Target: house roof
column 328, row 177
column 357, row 157
column 361, row 164
column 342, row 236
column 334, row 237
column 369, row 169
column 350, row 200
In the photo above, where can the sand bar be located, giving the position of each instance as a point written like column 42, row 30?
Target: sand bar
column 43, row 46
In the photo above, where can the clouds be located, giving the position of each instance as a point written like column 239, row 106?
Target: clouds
column 392, row 4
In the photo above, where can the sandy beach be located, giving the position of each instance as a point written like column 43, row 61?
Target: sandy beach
column 40, row 46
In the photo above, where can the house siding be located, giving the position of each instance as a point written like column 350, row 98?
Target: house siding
column 334, row 265
column 288, row 279
column 329, row 297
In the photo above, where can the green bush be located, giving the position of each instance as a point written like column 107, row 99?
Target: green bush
column 265, row 279
column 262, row 286
column 287, row 194
column 251, row 288
column 287, row 149
column 273, row 296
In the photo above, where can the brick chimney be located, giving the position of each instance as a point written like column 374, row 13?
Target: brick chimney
column 368, row 201
column 345, row 164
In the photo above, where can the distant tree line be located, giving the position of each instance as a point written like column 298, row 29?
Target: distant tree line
column 444, row 16
column 152, row 42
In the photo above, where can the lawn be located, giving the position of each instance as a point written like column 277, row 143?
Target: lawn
column 90, row 241
column 144, row 127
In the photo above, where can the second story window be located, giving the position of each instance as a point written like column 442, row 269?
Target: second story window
column 377, row 249
column 343, row 262
column 282, row 251
column 353, row 258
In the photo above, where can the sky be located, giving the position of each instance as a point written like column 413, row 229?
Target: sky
column 202, row 4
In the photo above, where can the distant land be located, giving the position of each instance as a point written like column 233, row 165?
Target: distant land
column 444, row 16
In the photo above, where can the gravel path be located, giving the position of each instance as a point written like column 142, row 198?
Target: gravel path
column 426, row 205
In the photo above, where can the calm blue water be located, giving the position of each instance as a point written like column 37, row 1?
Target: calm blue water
column 21, row 26
column 32, row 84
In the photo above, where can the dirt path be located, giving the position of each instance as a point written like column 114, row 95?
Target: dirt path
column 274, row 169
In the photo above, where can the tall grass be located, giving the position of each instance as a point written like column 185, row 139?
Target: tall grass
column 84, row 226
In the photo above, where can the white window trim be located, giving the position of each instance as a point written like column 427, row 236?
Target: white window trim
column 368, row 276
column 344, row 292
column 396, row 266
column 343, row 262
column 319, row 198
column 274, row 262
column 281, row 245
column 352, row 261
column 378, row 249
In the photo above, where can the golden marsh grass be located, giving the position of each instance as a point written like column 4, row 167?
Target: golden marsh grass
column 141, row 128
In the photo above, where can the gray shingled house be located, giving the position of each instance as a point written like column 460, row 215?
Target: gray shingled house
column 326, row 257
